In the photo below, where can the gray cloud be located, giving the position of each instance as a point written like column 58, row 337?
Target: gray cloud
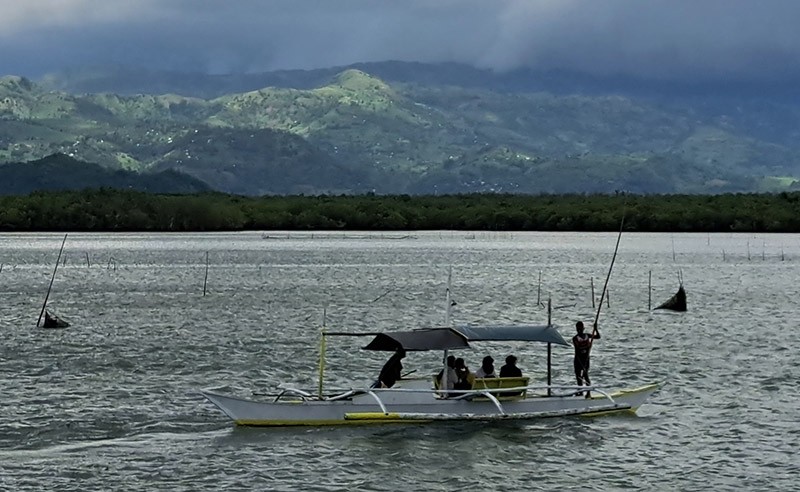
column 684, row 39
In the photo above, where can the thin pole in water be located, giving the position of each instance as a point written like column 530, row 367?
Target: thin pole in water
column 673, row 249
column 591, row 281
column 748, row 250
column 88, row 265
column 322, row 347
column 205, row 280
column 44, row 305
column 539, row 291
column 649, row 290
column 549, row 347
column 447, row 297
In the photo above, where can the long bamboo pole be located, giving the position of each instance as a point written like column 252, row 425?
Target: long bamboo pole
column 608, row 277
column 44, row 305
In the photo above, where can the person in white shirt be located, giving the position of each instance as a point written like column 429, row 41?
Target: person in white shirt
column 487, row 368
column 452, row 377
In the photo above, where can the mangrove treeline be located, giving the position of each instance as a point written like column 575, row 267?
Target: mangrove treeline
column 113, row 210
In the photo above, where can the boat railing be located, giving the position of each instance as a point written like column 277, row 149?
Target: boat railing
column 304, row 395
column 456, row 395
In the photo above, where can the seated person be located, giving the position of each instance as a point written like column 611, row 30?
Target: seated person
column 510, row 370
column 464, row 378
column 487, row 368
column 452, row 377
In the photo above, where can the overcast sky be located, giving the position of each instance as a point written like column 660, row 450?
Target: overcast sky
column 684, row 39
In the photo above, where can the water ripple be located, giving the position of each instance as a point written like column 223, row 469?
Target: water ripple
column 111, row 403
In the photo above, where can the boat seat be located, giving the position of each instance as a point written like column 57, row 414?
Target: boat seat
column 498, row 383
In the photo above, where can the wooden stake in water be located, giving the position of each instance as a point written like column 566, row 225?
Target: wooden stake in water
column 748, row 250
column 649, row 290
column 608, row 299
column 549, row 347
column 539, row 290
column 205, row 280
column 44, row 305
column 591, row 281
column 673, row 249
column 88, row 265
column 322, row 345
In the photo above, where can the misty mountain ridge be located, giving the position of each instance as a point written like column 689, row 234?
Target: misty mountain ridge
column 407, row 128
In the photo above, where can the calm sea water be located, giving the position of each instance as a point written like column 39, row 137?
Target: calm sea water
column 111, row 403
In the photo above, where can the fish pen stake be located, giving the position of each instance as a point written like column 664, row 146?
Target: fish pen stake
column 539, row 290
column 649, row 290
column 591, row 281
column 205, row 280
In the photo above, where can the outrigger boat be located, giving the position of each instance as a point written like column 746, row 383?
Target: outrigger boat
column 421, row 400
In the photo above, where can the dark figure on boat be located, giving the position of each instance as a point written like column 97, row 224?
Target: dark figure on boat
column 391, row 370
column 676, row 302
column 510, row 370
column 464, row 378
column 583, row 348
column 487, row 368
column 53, row 321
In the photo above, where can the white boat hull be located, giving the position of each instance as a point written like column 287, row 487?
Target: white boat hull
column 400, row 407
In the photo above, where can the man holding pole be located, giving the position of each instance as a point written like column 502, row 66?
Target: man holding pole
column 583, row 347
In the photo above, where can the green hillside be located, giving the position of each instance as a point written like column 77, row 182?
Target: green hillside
column 59, row 173
column 353, row 132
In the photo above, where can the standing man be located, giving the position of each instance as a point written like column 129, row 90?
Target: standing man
column 583, row 347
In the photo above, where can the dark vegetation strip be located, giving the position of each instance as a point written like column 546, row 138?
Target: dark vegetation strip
column 112, row 210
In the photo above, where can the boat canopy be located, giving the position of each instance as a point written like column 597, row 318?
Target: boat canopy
column 417, row 340
column 460, row 336
column 522, row 333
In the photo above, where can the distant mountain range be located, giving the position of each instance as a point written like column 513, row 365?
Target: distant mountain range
column 407, row 128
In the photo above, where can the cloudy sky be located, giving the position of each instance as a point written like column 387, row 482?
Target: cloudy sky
column 672, row 39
